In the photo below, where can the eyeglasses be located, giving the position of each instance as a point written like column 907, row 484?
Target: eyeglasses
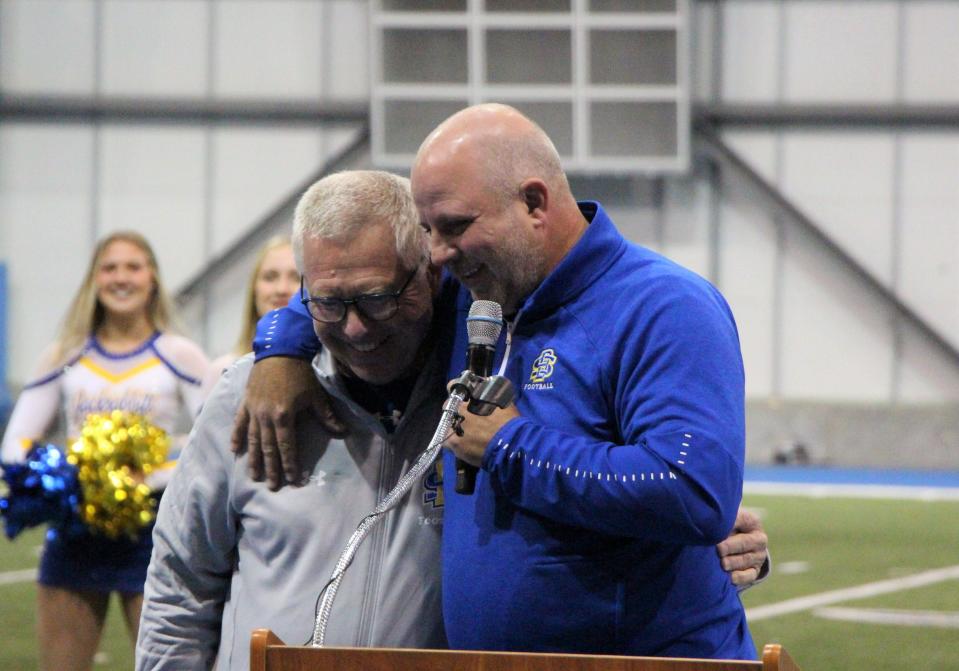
column 378, row 307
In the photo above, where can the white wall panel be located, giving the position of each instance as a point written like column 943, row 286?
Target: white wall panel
column 836, row 340
column 748, row 263
column 929, row 252
column 155, row 48
column 45, row 231
column 833, row 341
column 750, row 50
column 631, row 202
column 152, row 180
column 640, row 224
column 269, row 49
column 748, row 258
column 702, row 46
column 346, row 67
column 686, row 237
column 192, row 317
column 840, row 51
column 926, row 375
column 46, row 46
column 255, row 168
column 338, row 138
column 844, row 182
column 759, row 149
column 931, row 71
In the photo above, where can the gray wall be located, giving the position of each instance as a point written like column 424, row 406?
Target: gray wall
column 812, row 336
column 889, row 198
column 192, row 189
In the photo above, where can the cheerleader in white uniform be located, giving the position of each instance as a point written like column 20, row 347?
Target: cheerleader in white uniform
column 114, row 352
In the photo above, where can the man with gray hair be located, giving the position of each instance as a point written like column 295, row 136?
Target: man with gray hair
column 229, row 555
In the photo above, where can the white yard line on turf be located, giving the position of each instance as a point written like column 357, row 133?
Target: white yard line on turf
column 903, row 618
column 847, row 594
column 824, row 491
column 13, row 577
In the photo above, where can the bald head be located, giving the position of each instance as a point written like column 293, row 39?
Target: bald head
column 489, row 187
column 505, row 146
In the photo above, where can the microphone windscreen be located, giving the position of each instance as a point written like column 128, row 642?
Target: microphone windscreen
column 484, row 323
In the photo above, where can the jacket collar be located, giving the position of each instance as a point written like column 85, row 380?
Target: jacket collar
column 431, row 378
column 592, row 255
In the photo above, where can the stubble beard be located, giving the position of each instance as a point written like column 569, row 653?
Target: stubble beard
column 517, row 272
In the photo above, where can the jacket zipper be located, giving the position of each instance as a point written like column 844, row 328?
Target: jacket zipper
column 379, row 533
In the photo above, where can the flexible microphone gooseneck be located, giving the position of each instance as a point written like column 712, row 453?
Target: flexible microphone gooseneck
column 390, row 501
column 483, row 326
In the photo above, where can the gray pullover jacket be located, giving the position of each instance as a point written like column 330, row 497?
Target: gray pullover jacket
column 231, row 556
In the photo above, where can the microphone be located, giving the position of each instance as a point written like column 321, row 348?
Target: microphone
column 483, row 326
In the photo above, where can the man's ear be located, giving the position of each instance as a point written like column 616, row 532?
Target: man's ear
column 535, row 195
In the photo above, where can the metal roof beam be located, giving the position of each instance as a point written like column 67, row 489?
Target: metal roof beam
column 180, row 110
column 712, row 147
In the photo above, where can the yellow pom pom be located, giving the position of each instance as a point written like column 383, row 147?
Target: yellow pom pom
column 113, row 454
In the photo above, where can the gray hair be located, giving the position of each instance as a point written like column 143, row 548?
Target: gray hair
column 341, row 204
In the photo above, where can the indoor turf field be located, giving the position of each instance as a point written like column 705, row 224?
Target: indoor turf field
column 853, row 561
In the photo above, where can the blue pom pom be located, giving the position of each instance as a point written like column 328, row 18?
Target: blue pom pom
column 41, row 489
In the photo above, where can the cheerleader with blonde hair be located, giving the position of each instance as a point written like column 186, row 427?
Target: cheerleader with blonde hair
column 116, row 351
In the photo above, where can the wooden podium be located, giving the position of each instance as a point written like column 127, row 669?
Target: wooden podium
column 269, row 653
